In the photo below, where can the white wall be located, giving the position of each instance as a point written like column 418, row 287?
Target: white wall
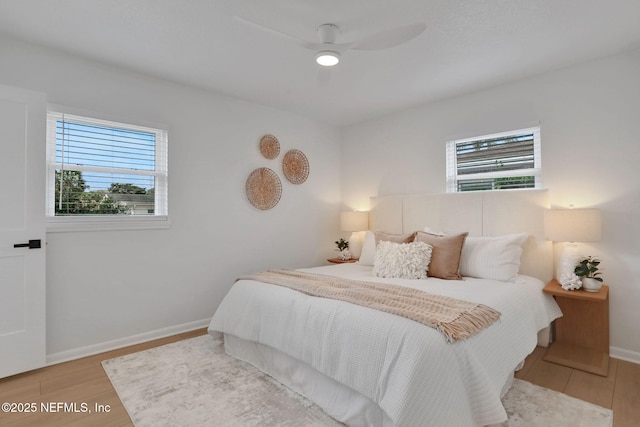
column 110, row 285
column 590, row 158
column 104, row 286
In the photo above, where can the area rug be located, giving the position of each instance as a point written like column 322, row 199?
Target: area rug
column 194, row 383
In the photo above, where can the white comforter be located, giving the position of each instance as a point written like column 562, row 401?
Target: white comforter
column 407, row 368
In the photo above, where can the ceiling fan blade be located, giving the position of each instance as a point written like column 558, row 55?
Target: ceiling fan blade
column 391, row 38
column 272, row 31
column 338, row 47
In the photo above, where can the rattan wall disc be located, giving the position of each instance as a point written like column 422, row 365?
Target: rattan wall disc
column 269, row 146
column 263, row 188
column 295, row 166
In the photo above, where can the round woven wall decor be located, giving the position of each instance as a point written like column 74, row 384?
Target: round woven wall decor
column 263, row 188
column 295, row 166
column 269, row 146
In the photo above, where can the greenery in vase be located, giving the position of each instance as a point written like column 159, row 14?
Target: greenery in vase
column 342, row 244
column 588, row 268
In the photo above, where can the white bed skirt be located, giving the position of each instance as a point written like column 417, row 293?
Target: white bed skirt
column 339, row 401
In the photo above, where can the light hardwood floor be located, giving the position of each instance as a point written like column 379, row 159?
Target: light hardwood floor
column 84, row 380
column 620, row 390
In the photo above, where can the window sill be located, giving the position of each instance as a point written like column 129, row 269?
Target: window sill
column 102, row 223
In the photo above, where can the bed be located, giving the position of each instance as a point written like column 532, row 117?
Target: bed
column 368, row 367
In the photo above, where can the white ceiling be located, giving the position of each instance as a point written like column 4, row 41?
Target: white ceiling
column 468, row 45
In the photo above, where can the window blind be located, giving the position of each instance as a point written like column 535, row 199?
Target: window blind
column 507, row 160
column 98, row 167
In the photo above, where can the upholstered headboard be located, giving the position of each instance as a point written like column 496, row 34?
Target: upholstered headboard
column 481, row 213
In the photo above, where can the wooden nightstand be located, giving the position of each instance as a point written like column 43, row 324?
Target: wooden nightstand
column 582, row 333
column 342, row 261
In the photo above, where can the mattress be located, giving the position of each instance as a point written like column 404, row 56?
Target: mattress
column 406, row 369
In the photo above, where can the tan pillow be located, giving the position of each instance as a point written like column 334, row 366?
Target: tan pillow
column 445, row 258
column 381, row 236
column 371, row 240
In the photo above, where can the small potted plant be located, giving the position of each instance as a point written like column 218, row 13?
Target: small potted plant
column 343, row 249
column 587, row 270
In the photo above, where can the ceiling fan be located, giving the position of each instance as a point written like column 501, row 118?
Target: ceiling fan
column 328, row 51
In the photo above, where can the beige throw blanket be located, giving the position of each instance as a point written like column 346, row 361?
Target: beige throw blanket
column 454, row 318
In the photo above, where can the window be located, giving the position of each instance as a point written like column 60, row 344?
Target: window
column 102, row 172
column 502, row 161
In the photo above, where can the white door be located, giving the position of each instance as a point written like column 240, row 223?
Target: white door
column 22, row 215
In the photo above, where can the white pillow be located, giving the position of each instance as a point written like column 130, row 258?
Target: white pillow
column 402, row 260
column 496, row 258
column 430, row 231
column 368, row 254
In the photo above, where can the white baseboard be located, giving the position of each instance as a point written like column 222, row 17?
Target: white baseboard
column 628, row 355
column 90, row 350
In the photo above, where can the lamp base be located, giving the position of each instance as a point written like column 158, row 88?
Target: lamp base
column 566, row 266
column 355, row 243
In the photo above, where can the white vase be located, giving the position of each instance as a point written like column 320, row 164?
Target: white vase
column 590, row 284
column 567, row 263
column 344, row 255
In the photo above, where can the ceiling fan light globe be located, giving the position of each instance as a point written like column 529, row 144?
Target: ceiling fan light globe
column 327, row 58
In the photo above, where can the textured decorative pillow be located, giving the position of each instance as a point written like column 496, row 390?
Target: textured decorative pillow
column 402, row 260
column 445, row 257
column 371, row 240
column 496, row 258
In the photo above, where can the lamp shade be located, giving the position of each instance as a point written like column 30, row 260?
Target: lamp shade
column 573, row 225
column 354, row 221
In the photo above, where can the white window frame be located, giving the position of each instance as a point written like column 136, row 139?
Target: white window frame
column 160, row 218
column 453, row 178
